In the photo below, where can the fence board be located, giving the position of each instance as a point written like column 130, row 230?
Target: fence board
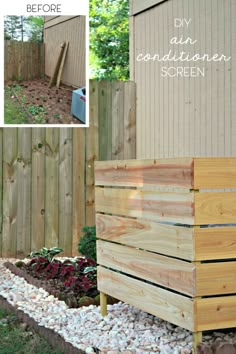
column 23, row 222
column 105, row 120
column 175, row 241
column 10, row 189
column 165, row 271
column 65, row 191
column 51, row 187
column 171, row 307
column 38, row 188
column 23, row 60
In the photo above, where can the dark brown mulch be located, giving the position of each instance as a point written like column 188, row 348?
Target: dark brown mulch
column 217, row 348
column 52, row 337
column 55, row 101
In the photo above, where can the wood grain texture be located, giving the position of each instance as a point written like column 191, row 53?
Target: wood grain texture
column 129, row 120
column 168, row 272
column 169, row 306
column 9, row 229
column 215, row 208
column 169, row 240
column 24, row 164
column 51, row 187
column 65, row 191
column 169, row 207
column 215, row 278
column 221, row 313
column 215, row 243
column 137, row 173
column 78, row 187
column 38, row 189
column 215, row 172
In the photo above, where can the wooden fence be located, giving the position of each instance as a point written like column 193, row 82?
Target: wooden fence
column 170, row 262
column 47, row 175
column 23, row 60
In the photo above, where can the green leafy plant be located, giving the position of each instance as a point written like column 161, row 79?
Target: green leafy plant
column 38, row 112
column 57, row 116
column 87, row 242
column 47, row 253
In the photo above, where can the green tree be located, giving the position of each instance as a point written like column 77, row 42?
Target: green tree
column 12, row 26
column 23, row 28
column 109, row 39
column 36, row 28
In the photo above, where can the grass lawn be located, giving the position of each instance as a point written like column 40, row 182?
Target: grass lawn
column 13, row 112
column 15, row 339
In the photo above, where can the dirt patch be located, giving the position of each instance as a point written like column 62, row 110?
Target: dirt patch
column 52, row 337
column 44, row 105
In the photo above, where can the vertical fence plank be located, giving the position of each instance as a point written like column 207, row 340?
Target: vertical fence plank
column 38, row 188
column 65, row 191
column 91, row 153
column 129, row 120
column 51, row 187
column 1, row 137
column 105, row 119
column 23, row 223
column 9, row 192
column 78, row 186
column 117, row 120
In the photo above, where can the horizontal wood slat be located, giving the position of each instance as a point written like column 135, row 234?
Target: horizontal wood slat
column 168, row 272
column 139, row 173
column 166, row 239
column 169, row 306
column 170, row 207
column 215, row 313
column 215, row 208
column 215, row 243
column 215, row 172
column 216, row 278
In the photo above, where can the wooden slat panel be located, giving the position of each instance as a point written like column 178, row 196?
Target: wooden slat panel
column 171, row 307
column 165, row 271
column 129, row 120
column 117, row 121
column 24, row 192
column 215, row 208
column 215, row 243
column 215, row 313
column 169, row 240
column 38, row 189
column 105, row 120
column 136, row 173
column 171, row 207
column 216, row 278
column 78, row 187
column 9, row 192
column 215, row 172
column 51, row 187
column 65, row 191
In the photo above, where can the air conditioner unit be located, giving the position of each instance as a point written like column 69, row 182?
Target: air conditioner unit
column 78, row 106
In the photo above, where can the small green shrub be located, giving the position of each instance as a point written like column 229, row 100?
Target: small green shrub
column 87, row 242
column 47, row 253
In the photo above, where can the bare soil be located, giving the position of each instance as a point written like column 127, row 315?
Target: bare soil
column 54, row 102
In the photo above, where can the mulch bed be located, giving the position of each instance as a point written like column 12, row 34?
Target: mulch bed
column 55, row 101
column 52, row 337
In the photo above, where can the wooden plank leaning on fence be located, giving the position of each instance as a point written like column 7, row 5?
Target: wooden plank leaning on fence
column 57, row 65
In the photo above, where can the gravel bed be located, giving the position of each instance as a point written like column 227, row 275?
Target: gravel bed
column 125, row 330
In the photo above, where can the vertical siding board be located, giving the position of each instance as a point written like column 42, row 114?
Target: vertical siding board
column 166, row 86
column 78, row 187
column 171, row 84
column 227, row 78
column 202, row 66
column 221, row 81
column 1, row 187
column 208, row 78
column 91, row 153
column 51, row 186
column 175, row 48
column 65, row 191
column 9, row 229
column 117, row 121
column 38, row 188
column 161, row 51
column 233, row 79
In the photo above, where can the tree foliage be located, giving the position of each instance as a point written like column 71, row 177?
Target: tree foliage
column 23, row 28
column 109, row 39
